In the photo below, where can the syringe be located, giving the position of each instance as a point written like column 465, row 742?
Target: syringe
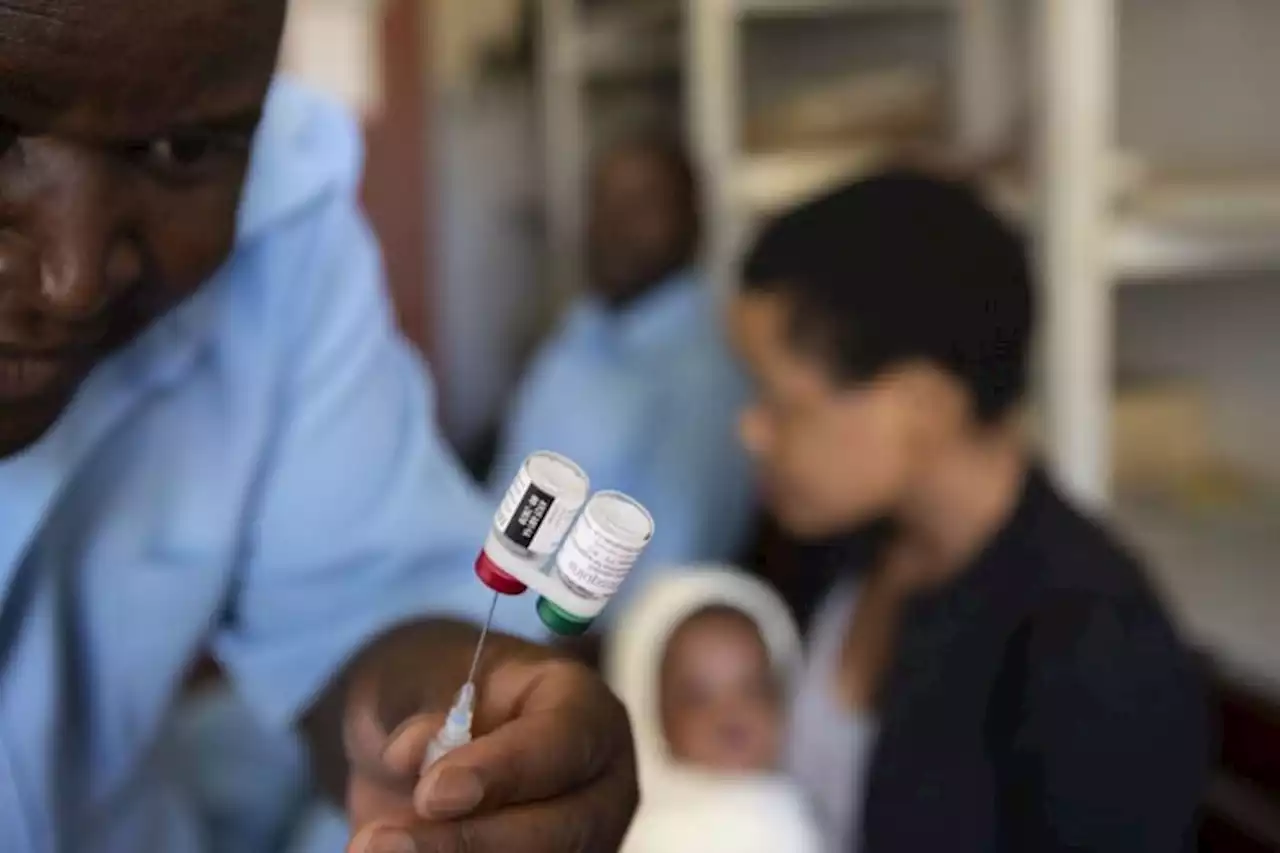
column 456, row 730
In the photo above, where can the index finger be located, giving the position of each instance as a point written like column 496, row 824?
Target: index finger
column 552, row 747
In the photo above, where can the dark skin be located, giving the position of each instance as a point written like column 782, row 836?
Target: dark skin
column 124, row 151
column 721, row 708
column 125, row 130
column 643, row 221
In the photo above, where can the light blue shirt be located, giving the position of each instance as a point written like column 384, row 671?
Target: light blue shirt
column 646, row 401
column 257, row 475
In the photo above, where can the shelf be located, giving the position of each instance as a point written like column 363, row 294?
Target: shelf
column 621, row 42
column 1185, row 224
column 634, row 15
column 607, row 58
column 1219, row 571
column 812, row 8
column 767, row 184
column 1147, row 251
column 1175, row 226
column 1167, row 229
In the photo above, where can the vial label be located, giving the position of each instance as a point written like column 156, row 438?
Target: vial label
column 531, row 517
column 594, row 564
column 554, row 527
column 526, row 520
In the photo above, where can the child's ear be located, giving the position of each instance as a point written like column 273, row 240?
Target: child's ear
column 932, row 403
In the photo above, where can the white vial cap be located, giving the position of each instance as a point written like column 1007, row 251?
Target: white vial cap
column 558, row 475
column 622, row 518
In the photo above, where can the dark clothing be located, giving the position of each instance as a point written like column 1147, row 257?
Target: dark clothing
column 1042, row 702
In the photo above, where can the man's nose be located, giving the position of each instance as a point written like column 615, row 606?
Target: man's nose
column 79, row 218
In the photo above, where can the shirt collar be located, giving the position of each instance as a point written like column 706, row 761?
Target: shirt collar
column 299, row 143
column 651, row 320
column 1003, row 578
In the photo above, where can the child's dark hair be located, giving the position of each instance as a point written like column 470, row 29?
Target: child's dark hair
column 903, row 267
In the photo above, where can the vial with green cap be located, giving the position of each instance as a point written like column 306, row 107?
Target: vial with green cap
column 600, row 551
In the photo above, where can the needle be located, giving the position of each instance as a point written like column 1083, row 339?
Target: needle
column 456, row 731
column 484, row 633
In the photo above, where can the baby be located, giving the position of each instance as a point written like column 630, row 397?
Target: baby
column 720, row 695
column 702, row 659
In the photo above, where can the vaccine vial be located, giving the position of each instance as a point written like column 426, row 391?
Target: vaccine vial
column 600, row 552
column 532, row 520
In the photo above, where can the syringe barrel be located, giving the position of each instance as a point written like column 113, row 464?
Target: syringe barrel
column 456, row 730
column 440, row 747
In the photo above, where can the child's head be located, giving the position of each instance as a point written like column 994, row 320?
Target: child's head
column 884, row 324
column 721, row 708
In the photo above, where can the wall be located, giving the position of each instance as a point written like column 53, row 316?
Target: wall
column 490, row 294
column 1198, row 79
column 487, row 163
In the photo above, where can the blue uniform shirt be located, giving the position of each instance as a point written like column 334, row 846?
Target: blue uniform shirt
column 257, row 475
column 646, row 401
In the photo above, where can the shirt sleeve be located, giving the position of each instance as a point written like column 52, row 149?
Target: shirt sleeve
column 363, row 519
column 1113, row 754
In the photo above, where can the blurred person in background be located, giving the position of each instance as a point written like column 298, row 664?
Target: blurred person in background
column 702, row 659
column 996, row 673
column 638, row 386
column 213, row 438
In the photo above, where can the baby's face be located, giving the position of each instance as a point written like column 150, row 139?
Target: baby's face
column 720, row 703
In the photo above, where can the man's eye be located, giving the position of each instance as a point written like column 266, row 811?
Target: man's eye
column 186, row 153
column 181, row 151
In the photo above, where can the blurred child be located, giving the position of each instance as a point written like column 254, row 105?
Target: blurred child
column 702, row 660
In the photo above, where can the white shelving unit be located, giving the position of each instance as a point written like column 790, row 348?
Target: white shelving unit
column 1094, row 234
column 1076, row 40
column 1219, row 569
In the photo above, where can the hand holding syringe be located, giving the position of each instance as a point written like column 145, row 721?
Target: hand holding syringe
column 528, row 528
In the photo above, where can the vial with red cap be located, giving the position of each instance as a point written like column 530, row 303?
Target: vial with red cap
column 536, row 514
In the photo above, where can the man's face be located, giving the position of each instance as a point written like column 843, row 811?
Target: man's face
column 642, row 224
column 125, row 128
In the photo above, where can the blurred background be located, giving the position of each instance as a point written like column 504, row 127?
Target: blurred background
column 1135, row 141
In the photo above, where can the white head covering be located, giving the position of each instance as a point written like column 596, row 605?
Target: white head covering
column 684, row 808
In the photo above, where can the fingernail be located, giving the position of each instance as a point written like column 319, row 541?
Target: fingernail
column 392, row 842
column 454, row 792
